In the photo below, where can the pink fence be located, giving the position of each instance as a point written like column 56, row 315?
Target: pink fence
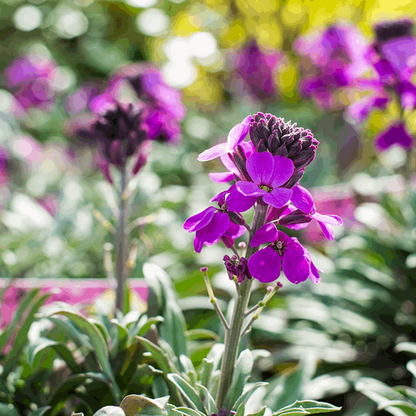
column 81, row 292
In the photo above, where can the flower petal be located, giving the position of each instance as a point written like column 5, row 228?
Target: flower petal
column 237, row 134
column 327, row 219
column 302, row 199
column 215, row 228
column 213, row 152
column 282, row 171
column 295, row 264
column 198, row 244
column 327, row 230
column 249, row 189
column 237, row 202
column 221, row 177
column 278, row 197
column 200, row 220
column 260, row 168
column 265, row 265
column 265, row 234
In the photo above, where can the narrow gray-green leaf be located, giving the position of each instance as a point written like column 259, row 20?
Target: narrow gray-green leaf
column 259, row 413
column 247, row 394
column 208, row 400
column 188, row 391
column 310, row 406
column 110, row 411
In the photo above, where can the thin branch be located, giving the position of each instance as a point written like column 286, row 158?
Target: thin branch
column 213, row 299
column 249, row 323
column 254, row 308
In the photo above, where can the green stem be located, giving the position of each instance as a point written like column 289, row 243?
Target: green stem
column 121, row 244
column 233, row 336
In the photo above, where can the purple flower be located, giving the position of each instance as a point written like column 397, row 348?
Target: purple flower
column 395, row 134
column 338, row 58
column 213, row 224
column 306, row 211
column 120, row 132
column 236, row 267
column 236, row 135
column 165, row 105
column 268, row 173
column 265, row 264
column 257, row 70
column 30, row 79
column 396, row 47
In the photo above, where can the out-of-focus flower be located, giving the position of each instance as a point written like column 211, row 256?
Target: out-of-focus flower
column 257, row 69
column 236, row 267
column 337, row 56
column 78, row 102
column 4, row 174
column 120, row 133
column 30, row 79
column 306, row 211
column 396, row 134
column 165, row 105
column 265, row 264
column 214, row 224
column 50, row 203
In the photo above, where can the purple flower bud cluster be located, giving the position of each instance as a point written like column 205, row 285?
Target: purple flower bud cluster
column 266, row 171
column 137, row 107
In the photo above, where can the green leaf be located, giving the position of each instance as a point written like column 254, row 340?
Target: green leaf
column 411, row 366
column 158, row 355
column 39, row 412
column 189, row 412
column 407, row 408
column 201, row 334
column 21, row 337
column 171, row 410
column 308, row 406
column 98, row 342
column 173, row 329
column 8, row 410
column 23, row 305
column 134, row 405
column 295, row 411
column 406, row 347
column 377, row 391
column 242, row 373
column 42, row 344
column 209, row 401
column 409, row 392
column 188, row 391
column 110, row 411
column 150, row 321
column 259, row 413
column 247, row 394
column 206, row 370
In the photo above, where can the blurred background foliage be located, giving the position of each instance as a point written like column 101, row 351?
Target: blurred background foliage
column 52, row 195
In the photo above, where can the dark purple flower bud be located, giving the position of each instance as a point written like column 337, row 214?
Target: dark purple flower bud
column 295, row 217
column 236, row 267
column 271, row 133
column 120, row 132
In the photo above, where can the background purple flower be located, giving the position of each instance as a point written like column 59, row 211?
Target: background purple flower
column 396, row 134
column 30, row 78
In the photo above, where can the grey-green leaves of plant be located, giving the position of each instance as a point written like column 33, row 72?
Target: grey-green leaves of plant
column 306, row 407
column 135, row 405
column 188, row 392
column 110, row 411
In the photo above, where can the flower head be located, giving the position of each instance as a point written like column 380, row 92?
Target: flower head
column 236, row 267
column 265, row 264
column 120, row 132
column 270, row 133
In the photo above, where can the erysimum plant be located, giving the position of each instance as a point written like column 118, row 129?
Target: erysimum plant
column 266, row 171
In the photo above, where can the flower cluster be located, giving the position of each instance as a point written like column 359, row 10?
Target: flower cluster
column 137, row 107
column 266, row 171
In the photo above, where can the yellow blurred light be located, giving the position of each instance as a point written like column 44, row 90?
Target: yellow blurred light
column 233, row 35
column 257, row 7
column 286, row 79
column 205, row 90
column 269, row 34
column 387, row 9
column 293, row 13
column 185, row 24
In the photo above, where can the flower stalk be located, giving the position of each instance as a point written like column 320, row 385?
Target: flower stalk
column 122, row 243
column 233, row 336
